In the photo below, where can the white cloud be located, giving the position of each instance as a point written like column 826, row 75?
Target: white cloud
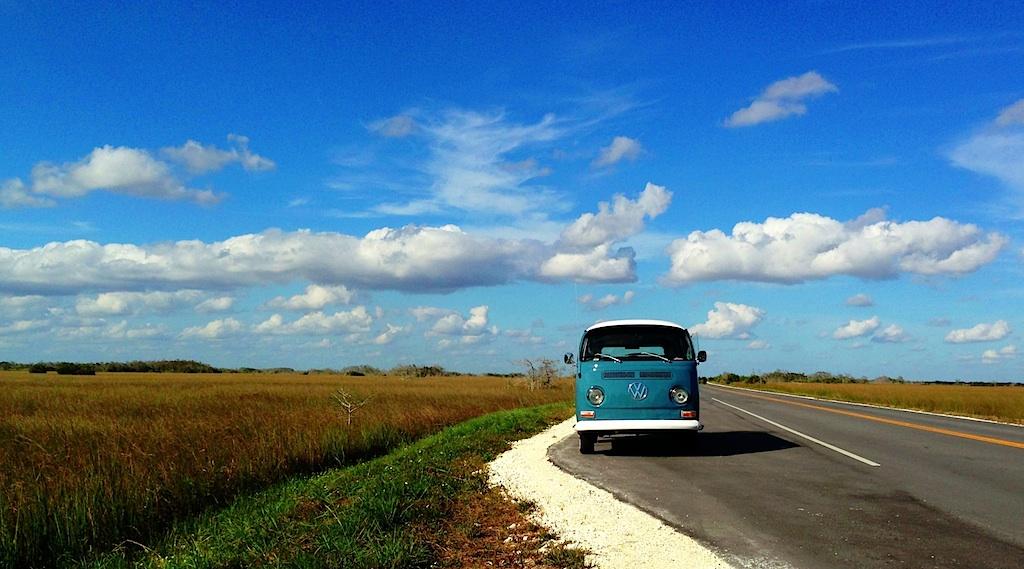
column 122, row 330
column 597, row 265
column 120, row 169
column 856, row 328
column 120, row 303
column 389, row 334
column 729, row 320
column 1012, row 115
column 19, row 326
column 1004, row 353
column 860, row 299
column 621, row 148
column 397, row 126
column 996, row 154
column 470, row 168
column 14, row 194
column 891, row 334
column 200, row 158
column 453, row 323
column 316, row 297
column 620, row 219
column 413, row 258
column 605, row 301
column 130, row 171
column 997, row 150
column 217, row 304
column 808, row 246
column 357, row 320
column 782, row 99
column 15, row 306
column 982, row 332
column 758, row 345
column 214, row 329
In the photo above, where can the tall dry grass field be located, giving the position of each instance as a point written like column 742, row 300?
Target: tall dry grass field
column 1001, row 403
column 89, row 462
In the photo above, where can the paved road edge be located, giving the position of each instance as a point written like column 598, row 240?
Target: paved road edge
column 870, row 405
column 617, row 534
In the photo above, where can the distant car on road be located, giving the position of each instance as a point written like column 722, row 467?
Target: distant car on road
column 636, row 377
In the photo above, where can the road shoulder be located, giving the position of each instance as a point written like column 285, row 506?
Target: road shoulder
column 617, row 534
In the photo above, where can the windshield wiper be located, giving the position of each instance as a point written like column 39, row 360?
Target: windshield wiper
column 613, row 358
column 659, row 356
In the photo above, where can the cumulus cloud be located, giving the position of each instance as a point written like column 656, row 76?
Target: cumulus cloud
column 729, row 320
column 618, row 220
column 200, row 158
column 995, row 356
column 456, row 328
column 316, row 297
column 411, row 258
column 389, row 334
column 808, row 246
column 120, row 303
column 129, row 171
column 587, row 251
column 214, row 329
column 860, row 299
column 782, row 99
column 758, row 345
column 19, row 326
column 357, row 320
column 599, row 264
column 119, row 169
column 982, row 332
column 13, row 193
column 856, row 328
column 891, row 334
column 621, row 148
column 217, row 304
column 593, row 303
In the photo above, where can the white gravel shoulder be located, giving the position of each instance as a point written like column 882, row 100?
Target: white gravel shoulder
column 616, row 533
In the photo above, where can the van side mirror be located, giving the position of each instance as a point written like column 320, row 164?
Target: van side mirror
column 702, row 356
column 568, row 359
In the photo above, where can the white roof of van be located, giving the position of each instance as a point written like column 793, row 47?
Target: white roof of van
column 634, row 323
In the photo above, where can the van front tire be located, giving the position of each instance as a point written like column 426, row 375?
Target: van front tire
column 587, row 441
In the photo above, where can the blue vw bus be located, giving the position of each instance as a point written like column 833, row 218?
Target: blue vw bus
column 636, row 377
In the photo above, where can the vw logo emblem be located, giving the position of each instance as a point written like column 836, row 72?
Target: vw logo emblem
column 638, row 391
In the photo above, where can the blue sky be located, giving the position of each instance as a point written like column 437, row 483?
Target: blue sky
column 805, row 185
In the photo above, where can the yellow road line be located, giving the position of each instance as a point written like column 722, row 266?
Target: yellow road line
column 907, row 424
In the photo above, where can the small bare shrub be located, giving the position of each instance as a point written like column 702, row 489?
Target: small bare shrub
column 349, row 403
column 540, row 373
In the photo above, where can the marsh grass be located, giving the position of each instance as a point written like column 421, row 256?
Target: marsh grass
column 93, row 462
column 1000, row 403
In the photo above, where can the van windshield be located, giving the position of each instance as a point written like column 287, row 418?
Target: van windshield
column 638, row 343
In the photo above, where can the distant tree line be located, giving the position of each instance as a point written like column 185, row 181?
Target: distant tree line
column 161, row 366
column 781, row 376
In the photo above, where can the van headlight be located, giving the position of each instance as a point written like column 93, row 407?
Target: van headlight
column 678, row 395
column 596, row 396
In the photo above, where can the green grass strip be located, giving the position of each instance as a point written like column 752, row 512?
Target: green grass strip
column 370, row 515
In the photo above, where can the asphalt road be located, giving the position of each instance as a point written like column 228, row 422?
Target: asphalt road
column 945, row 492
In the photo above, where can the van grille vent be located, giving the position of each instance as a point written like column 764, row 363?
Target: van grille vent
column 618, row 375
column 656, row 374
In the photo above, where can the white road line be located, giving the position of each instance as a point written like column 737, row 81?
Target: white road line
column 799, row 434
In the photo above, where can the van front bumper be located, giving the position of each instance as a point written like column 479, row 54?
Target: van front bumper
column 638, row 425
